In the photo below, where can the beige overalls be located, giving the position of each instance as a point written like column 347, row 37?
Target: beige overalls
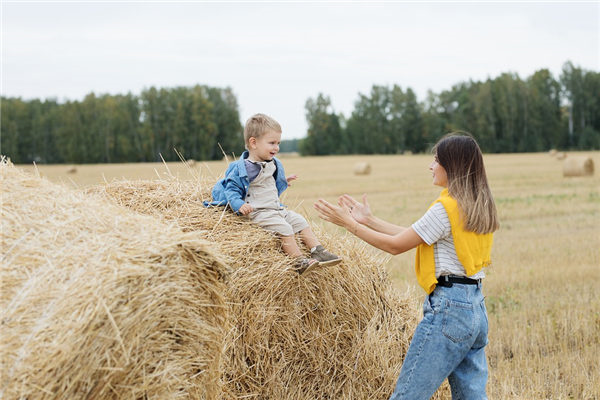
column 268, row 211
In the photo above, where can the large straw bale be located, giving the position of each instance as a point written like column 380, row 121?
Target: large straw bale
column 578, row 166
column 336, row 333
column 99, row 302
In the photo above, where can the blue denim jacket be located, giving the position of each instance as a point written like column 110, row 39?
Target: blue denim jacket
column 232, row 189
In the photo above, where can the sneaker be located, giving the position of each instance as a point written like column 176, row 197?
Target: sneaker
column 324, row 257
column 305, row 264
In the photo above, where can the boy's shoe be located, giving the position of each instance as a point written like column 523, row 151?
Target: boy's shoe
column 324, row 257
column 305, row 264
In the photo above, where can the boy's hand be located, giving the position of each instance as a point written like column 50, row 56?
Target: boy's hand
column 245, row 209
column 291, row 178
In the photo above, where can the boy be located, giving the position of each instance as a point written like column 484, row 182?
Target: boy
column 252, row 186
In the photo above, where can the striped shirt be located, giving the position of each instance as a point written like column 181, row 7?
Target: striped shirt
column 434, row 228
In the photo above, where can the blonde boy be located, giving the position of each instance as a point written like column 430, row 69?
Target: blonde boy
column 252, row 186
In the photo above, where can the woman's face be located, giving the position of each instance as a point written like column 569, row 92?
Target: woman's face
column 440, row 178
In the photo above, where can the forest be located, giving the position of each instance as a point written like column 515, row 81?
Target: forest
column 506, row 114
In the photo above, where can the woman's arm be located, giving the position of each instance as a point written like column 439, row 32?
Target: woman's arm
column 395, row 243
column 361, row 212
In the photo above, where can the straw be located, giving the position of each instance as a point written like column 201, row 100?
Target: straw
column 101, row 302
column 337, row 333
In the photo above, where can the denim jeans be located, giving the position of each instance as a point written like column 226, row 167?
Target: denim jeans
column 448, row 343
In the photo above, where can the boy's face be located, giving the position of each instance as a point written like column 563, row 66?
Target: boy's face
column 265, row 147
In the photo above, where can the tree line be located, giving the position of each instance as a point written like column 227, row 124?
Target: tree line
column 195, row 121
column 505, row 114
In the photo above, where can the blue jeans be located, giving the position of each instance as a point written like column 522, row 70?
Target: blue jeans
column 448, row 342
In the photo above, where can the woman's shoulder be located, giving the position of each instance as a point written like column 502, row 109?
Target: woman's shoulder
column 437, row 211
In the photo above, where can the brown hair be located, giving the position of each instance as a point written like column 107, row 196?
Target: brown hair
column 259, row 124
column 461, row 157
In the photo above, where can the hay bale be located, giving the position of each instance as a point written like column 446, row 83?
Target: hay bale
column 191, row 163
column 561, row 156
column 362, row 168
column 552, row 153
column 72, row 169
column 100, row 302
column 338, row 333
column 578, row 166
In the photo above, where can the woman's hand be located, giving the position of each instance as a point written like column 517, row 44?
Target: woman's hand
column 334, row 214
column 361, row 212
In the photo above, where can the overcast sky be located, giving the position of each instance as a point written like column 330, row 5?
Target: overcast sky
column 276, row 55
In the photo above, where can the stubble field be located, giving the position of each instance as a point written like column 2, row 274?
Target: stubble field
column 542, row 291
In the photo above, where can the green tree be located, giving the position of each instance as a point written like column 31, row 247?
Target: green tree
column 226, row 116
column 324, row 135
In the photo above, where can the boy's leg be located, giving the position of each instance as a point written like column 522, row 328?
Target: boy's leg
column 275, row 221
column 309, row 238
column 317, row 251
column 290, row 247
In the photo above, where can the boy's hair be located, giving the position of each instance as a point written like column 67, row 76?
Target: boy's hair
column 259, row 124
column 461, row 157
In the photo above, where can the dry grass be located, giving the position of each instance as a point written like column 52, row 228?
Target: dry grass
column 542, row 292
column 100, row 302
column 336, row 333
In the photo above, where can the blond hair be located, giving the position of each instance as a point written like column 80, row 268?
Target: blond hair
column 259, row 124
column 461, row 157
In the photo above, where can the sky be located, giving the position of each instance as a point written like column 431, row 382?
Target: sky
column 276, row 55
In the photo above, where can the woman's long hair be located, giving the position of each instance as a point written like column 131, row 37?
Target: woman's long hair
column 461, row 157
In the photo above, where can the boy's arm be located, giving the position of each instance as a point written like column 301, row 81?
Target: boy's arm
column 234, row 193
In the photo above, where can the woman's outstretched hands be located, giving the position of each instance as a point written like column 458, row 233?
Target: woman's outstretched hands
column 334, row 214
column 361, row 212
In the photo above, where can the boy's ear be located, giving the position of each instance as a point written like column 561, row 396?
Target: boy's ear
column 252, row 141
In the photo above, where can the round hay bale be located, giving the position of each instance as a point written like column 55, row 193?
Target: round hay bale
column 362, row 168
column 578, row 166
column 552, row 153
column 100, row 302
column 191, row 163
column 561, row 156
column 339, row 332
column 72, row 169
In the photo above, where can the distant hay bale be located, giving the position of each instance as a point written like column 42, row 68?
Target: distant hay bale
column 362, row 168
column 71, row 169
column 578, row 166
column 561, row 156
column 552, row 153
column 191, row 163
column 99, row 302
column 338, row 333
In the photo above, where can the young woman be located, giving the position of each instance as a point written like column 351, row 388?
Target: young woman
column 453, row 241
